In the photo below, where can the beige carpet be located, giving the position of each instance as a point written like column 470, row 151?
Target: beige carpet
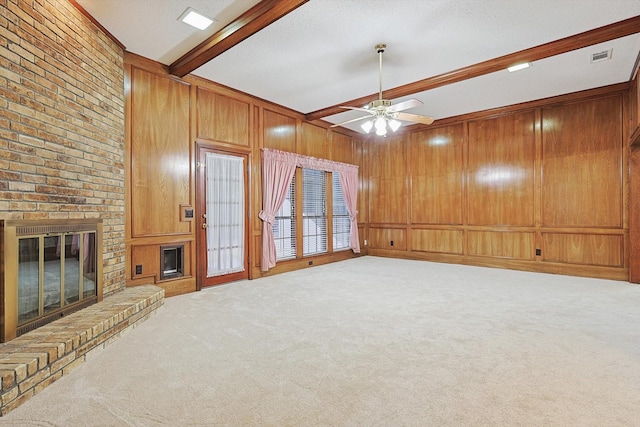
column 368, row 342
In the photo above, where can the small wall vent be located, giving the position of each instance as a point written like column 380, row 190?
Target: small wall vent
column 605, row 55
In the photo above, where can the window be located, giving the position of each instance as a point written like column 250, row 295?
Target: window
column 314, row 212
column 309, row 194
column 284, row 227
column 296, row 214
column 341, row 221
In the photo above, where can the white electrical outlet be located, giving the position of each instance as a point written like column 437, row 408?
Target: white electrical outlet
column 365, row 242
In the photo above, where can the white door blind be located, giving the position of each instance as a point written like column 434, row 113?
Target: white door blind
column 225, row 214
column 314, row 212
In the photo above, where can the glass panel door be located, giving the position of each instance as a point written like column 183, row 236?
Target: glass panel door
column 225, row 214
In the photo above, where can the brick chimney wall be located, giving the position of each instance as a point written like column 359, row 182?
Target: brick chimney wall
column 62, row 122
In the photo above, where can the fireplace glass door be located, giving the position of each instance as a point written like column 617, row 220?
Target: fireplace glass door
column 54, row 272
column 48, row 268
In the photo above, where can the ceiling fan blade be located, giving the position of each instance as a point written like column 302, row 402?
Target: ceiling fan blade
column 351, row 121
column 404, row 105
column 359, row 109
column 425, row 120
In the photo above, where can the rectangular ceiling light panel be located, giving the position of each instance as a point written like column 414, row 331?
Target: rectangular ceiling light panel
column 519, row 67
column 195, row 19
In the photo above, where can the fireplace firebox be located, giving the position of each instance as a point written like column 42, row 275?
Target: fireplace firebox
column 50, row 268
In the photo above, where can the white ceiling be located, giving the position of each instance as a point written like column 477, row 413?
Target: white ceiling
column 322, row 53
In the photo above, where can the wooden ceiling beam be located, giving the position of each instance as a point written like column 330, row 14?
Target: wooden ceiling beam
column 588, row 38
column 253, row 20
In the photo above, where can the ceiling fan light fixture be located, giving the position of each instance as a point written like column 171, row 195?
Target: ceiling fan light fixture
column 382, row 112
column 394, row 124
column 195, row 19
column 366, row 126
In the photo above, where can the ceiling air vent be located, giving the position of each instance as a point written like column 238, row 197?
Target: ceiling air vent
column 605, row 55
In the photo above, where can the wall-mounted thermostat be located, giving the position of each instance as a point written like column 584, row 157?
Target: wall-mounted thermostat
column 186, row 213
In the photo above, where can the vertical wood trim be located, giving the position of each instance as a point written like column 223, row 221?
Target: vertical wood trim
column 298, row 136
column 128, row 90
column 538, row 183
column 363, row 182
column 405, row 165
column 255, row 179
column 192, row 250
column 634, row 217
column 329, row 143
column 248, row 192
column 625, row 174
column 192, row 149
column 258, row 124
column 406, row 140
column 465, row 188
column 256, row 167
column 200, row 252
column 369, row 155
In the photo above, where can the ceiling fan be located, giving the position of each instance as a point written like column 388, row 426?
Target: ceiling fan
column 381, row 113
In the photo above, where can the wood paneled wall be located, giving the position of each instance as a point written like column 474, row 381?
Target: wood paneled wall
column 222, row 118
column 436, row 176
column 541, row 187
column 160, row 107
column 159, row 174
column 167, row 119
column 538, row 188
column 582, row 150
column 388, row 184
column 500, row 170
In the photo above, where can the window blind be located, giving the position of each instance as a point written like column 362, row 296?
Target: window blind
column 284, row 227
column 314, row 212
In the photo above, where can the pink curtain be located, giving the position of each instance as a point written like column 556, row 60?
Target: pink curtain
column 278, row 169
column 349, row 184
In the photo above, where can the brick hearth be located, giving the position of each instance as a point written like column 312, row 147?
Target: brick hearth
column 33, row 361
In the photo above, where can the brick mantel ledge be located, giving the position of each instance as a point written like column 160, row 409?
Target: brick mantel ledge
column 32, row 361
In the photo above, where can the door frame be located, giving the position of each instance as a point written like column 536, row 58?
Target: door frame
column 201, row 243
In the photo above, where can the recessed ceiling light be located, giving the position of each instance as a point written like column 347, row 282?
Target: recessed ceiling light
column 518, row 67
column 195, row 19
